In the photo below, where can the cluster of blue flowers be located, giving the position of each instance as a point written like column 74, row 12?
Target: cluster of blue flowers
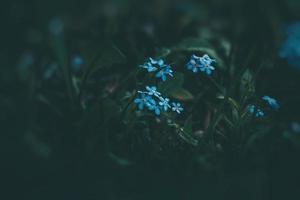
column 271, row 103
column 162, row 70
column 202, row 64
column 153, row 101
column 290, row 48
column 256, row 111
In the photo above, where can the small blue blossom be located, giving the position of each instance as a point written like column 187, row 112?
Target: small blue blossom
column 259, row 113
column 152, row 91
column 164, row 72
column 153, row 101
column 142, row 101
column 193, row 64
column 164, row 103
column 290, row 48
column 159, row 62
column 152, row 106
column 251, row 108
column 271, row 102
column 158, row 65
column 206, row 64
column 149, row 67
column 153, row 65
column 256, row 111
column 145, row 100
column 76, row 62
column 203, row 64
column 177, row 107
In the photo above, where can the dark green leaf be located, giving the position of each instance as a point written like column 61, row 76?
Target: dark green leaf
column 171, row 84
column 247, row 83
column 121, row 161
column 181, row 94
column 188, row 126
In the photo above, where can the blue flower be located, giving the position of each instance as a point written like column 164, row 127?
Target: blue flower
column 259, row 113
column 153, row 65
column 149, row 67
column 158, row 62
column 290, row 48
column 145, row 100
column 206, row 64
column 158, row 65
column 166, row 70
column 76, row 62
column 193, row 64
column 142, row 101
column 177, row 107
column 271, row 102
column 153, row 100
column 152, row 91
column 251, row 108
column 256, row 111
column 203, row 64
column 164, row 103
column 151, row 105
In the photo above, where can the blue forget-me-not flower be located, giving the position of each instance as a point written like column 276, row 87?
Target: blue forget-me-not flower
column 203, row 64
column 164, row 103
column 271, row 102
column 76, row 62
column 152, row 65
column 290, row 48
column 206, row 64
column 142, row 101
column 162, row 70
column 151, row 90
column 193, row 64
column 153, row 100
column 151, row 105
column 146, row 99
column 256, row 111
column 177, row 107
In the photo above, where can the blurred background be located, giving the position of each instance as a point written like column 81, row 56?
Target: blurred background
column 63, row 61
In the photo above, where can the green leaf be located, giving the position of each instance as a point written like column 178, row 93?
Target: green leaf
column 101, row 57
column 163, row 52
column 234, row 104
column 188, row 125
column 187, row 138
column 120, row 161
column 110, row 108
column 247, row 83
column 59, row 49
column 171, row 84
column 235, row 109
column 182, row 94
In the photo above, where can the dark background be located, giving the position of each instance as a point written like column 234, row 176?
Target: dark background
column 45, row 147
